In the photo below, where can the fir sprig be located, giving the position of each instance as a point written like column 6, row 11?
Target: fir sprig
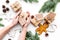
column 1, row 23
column 30, row 36
column 0, row 19
column 49, row 5
column 31, row 1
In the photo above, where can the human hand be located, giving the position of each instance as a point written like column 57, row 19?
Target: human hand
column 15, row 20
column 27, row 22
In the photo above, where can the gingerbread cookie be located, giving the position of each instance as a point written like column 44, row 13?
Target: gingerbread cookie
column 42, row 28
column 36, row 19
column 23, row 18
column 50, row 17
column 45, row 23
column 16, row 6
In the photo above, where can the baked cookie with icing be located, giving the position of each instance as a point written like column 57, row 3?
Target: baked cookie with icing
column 36, row 19
column 16, row 6
column 47, row 20
column 50, row 17
column 23, row 18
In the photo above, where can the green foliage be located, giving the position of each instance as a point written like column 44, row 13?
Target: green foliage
column 0, row 23
column 49, row 5
column 56, row 1
column 25, row 0
column 0, row 19
column 31, row 1
column 30, row 36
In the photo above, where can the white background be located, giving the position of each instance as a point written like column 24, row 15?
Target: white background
column 33, row 8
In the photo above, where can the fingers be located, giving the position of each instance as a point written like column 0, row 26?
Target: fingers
column 28, row 13
column 28, row 18
column 17, row 17
column 28, row 21
column 18, row 13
